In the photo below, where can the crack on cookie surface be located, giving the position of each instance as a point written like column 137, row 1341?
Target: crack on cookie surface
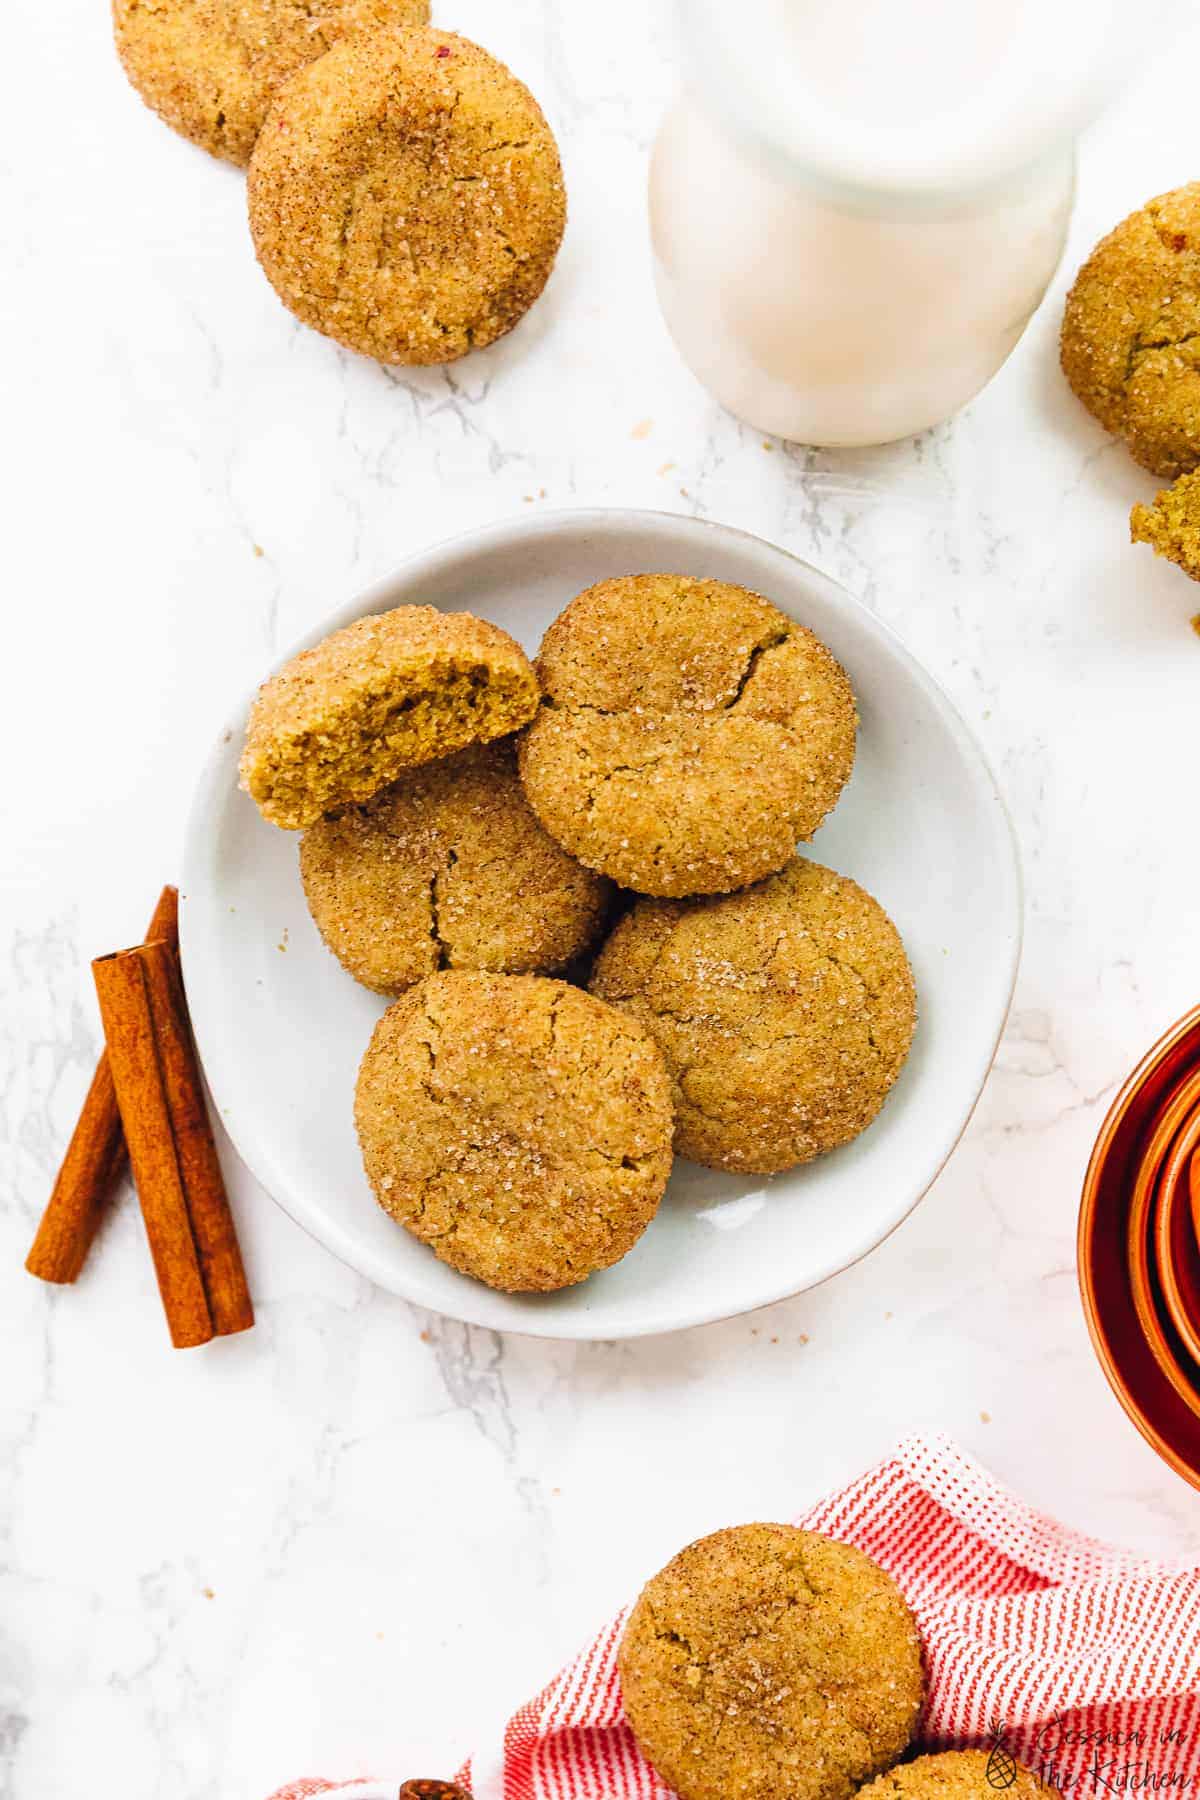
column 528, row 1141
column 765, row 1661
column 210, row 68
column 451, row 181
column 689, row 734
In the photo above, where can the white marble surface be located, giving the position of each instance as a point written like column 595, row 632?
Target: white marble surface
column 342, row 1542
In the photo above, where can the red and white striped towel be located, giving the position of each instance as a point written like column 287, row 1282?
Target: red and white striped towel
column 1088, row 1656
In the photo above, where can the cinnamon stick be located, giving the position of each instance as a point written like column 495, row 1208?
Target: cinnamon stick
column 195, row 1148
column 95, row 1157
column 137, row 1073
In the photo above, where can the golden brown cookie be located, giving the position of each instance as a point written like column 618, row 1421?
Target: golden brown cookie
column 1131, row 332
column 393, row 690
column 406, row 196
column 960, row 1775
column 785, row 1013
column 448, row 869
column 1171, row 526
column 768, row 1663
column 517, row 1126
column 689, row 734
column 210, row 68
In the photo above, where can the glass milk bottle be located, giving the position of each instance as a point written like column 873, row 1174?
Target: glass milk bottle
column 856, row 205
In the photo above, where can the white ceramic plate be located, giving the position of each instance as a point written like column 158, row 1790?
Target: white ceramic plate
column 921, row 825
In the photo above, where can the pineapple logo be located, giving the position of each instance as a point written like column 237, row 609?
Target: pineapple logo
column 1001, row 1769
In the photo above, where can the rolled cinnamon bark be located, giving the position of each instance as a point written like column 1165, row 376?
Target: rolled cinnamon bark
column 95, row 1159
column 195, row 1148
column 138, row 1079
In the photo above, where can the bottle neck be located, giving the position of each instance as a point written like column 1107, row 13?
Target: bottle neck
column 907, row 106
column 777, row 167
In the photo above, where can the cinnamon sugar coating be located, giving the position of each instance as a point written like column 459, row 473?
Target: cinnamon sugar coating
column 516, row 1125
column 385, row 694
column 406, row 196
column 1171, row 525
column 1131, row 332
column 210, row 68
column 959, row 1775
column 785, row 1013
column 769, row 1663
column 448, row 868
column 689, row 734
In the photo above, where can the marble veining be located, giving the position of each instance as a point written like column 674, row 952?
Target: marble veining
column 350, row 1539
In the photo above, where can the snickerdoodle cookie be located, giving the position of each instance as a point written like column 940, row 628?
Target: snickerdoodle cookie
column 448, row 868
column 785, row 1013
column 960, row 1775
column 406, row 196
column 689, row 734
column 210, row 68
column 768, row 1663
column 1171, row 526
column 392, row 690
column 1131, row 332
column 516, row 1125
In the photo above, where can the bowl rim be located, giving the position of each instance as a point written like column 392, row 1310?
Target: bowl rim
column 1172, row 1200
column 1172, row 1039
column 500, row 535
column 1178, row 1108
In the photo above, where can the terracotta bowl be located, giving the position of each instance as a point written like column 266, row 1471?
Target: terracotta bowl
column 1176, row 1248
column 1134, row 1371
column 1145, row 1273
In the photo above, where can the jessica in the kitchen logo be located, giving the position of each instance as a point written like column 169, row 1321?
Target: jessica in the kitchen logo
column 1116, row 1761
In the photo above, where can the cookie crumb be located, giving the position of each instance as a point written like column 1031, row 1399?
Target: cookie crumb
column 1171, row 525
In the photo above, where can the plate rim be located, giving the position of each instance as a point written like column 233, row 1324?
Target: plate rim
column 376, row 596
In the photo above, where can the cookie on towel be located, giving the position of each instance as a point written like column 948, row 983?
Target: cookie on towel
column 447, row 868
column 393, row 690
column 770, row 1663
column 690, row 734
column 516, row 1125
column 406, row 196
column 960, row 1775
column 785, row 1013
column 210, row 68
